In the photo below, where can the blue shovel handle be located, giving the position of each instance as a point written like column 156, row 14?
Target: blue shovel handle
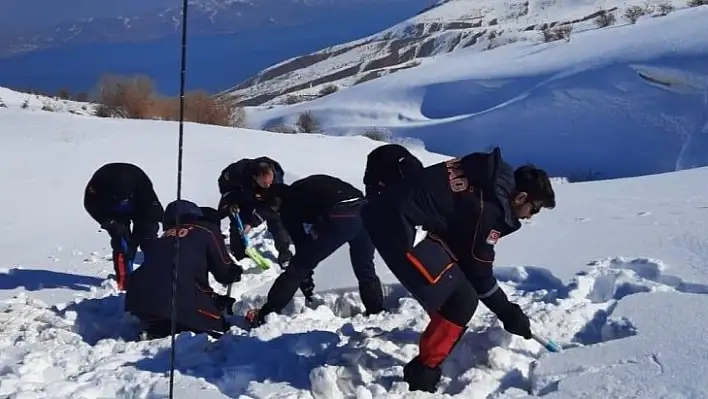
column 547, row 343
column 239, row 223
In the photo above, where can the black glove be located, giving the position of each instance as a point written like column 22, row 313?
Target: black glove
column 238, row 273
column 307, row 287
column 224, row 303
column 515, row 321
column 119, row 232
column 115, row 228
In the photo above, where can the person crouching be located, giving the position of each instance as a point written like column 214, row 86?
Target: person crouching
column 202, row 250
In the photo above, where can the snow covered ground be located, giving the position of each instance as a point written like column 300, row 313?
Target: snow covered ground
column 616, row 274
column 626, row 100
column 36, row 102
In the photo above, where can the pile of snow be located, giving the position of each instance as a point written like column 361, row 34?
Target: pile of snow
column 615, row 274
column 37, row 102
column 615, row 102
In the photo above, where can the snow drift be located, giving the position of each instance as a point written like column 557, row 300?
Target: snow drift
column 614, row 102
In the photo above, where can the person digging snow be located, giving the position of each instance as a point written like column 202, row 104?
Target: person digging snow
column 116, row 195
column 202, row 250
column 466, row 205
column 386, row 165
column 330, row 207
column 244, row 188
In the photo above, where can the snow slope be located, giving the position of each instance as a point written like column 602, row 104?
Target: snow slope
column 450, row 26
column 614, row 102
column 36, row 102
column 616, row 274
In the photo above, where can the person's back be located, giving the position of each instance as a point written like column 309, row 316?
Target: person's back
column 314, row 195
column 388, row 165
column 117, row 195
column 121, row 189
column 436, row 198
column 201, row 250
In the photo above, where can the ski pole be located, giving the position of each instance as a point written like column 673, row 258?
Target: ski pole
column 550, row 345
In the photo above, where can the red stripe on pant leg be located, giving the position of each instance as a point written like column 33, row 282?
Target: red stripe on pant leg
column 438, row 339
column 120, row 271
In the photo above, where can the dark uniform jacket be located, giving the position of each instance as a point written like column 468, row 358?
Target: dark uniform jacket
column 309, row 201
column 201, row 251
column 237, row 187
column 466, row 202
column 122, row 191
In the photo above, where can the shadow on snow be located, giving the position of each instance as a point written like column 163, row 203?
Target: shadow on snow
column 39, row 279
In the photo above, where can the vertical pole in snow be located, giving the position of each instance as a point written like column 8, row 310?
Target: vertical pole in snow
column 175, row 270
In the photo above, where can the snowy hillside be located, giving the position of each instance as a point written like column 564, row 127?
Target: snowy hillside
column 473, row 25
column 616, row 274
column 621, row 101
column 35, row 102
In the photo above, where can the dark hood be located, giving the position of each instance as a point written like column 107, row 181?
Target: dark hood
column 498, row 176
column 186, row 210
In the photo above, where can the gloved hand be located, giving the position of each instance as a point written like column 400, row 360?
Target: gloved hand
column 119, row 232
column 238, row 274
column 224, row 303
column 115, row 228
column 307, row 287
column 515, row 321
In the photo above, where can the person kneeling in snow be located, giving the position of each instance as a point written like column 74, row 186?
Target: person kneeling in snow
column 331, row 207
column 116, row 195
column 201, row 250
column 465, row 205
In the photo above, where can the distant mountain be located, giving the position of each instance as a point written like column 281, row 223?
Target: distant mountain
column 229, row 40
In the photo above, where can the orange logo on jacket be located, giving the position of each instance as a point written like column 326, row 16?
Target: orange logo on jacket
column 178, row 232
column 456, row 176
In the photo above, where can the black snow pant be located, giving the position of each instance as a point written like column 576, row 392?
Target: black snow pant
column 207, row 318
column 281, row 238
column 429, row 271
column 342, row 225
column 143, row 234
column 156, row 328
